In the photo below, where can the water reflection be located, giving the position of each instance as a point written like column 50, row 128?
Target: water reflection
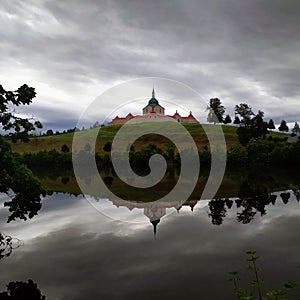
column 7, row 244
column 72, row 251
column 250, row 201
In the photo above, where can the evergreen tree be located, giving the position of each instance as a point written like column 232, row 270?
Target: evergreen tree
column 296, row 128
column 237, row 120
column 227, row 120
column 271, row 124
column 283, row 126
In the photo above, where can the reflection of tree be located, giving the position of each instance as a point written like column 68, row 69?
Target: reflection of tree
column 247, row 215
column 285, row 197
column 250, row 202
column 18, row 180
column 7, row 244
column 20, row 290
column 217, row 211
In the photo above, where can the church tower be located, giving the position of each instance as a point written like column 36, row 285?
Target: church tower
column 153, row 106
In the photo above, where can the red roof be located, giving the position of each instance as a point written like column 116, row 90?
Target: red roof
column 191, row 116
column 176, row 114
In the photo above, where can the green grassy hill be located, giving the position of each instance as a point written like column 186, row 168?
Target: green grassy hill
column 106, row 134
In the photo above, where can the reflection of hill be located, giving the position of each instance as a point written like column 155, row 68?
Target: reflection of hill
column 274, row 180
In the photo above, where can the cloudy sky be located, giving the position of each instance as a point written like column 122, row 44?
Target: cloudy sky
column 72, row 51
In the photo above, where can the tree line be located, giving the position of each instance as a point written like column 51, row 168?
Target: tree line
column 251, row 125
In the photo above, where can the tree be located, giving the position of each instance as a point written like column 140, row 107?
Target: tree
column 18, row 127
column 283, row 126
column 271, row 124
column 215, row 111
column 49, row 132
column 237, row 120
column 245, row 111
column 65, row 148
column 20, row 290
column 253, row 128
column 260, row 128
column 15, row 178
column 296, row 128
column 227, row 120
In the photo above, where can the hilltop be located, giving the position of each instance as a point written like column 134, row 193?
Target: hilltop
column 107, row 133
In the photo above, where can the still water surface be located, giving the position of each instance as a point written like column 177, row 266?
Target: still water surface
column 74, row 252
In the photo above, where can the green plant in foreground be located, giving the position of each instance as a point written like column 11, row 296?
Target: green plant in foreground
column 258, row 283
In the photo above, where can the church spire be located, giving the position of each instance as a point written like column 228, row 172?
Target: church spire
column 153, row 93
column 154, row 223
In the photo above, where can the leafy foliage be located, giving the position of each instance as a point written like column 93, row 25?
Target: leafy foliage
column 254, row 127
column 18, row 179
column 15, row 178
column 258, row 283
column 215, row 111
column 19, row 127
column 245, row 111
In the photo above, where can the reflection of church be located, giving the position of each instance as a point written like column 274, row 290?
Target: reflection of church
column 154, row 210
column 154, row 112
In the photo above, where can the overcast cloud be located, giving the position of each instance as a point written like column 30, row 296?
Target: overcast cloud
column 72, row 51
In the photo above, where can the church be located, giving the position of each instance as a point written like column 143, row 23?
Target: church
column 153, row 112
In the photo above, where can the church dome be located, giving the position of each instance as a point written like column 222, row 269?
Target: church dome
column 153, row 101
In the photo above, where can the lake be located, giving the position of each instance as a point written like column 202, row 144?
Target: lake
column 78, row 247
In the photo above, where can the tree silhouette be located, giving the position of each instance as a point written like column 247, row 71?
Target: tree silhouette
column 296, row 128
column 237, row 120
column 18, row 127
column 20, row 290
column 15, row 178
column 215, row 111
column 283, row 126
column 285, row 197
column 217, row 211
column 227, row 120
column 271, row 124
column 252, row 127
column 245, row 111
column 49, row 132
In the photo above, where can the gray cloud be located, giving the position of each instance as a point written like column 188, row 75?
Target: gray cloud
column 238, row 51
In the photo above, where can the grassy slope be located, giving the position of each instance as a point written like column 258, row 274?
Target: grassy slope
column 106, row 134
